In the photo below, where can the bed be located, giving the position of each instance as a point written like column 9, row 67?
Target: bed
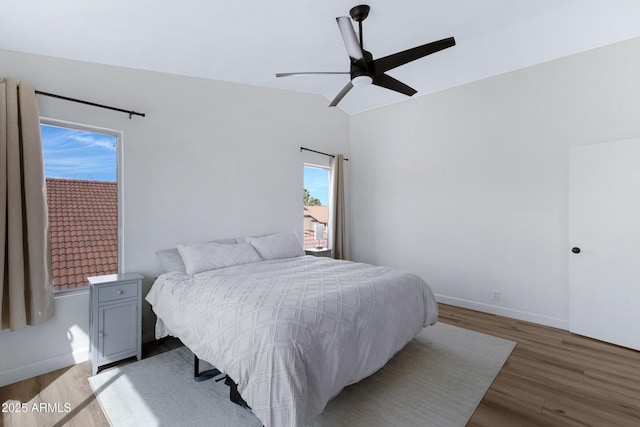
column 291, row 330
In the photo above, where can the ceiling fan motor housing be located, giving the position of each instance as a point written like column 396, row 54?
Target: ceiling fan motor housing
column 363, row 67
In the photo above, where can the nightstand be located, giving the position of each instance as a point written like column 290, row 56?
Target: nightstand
column 115, row 322
column 318, row 252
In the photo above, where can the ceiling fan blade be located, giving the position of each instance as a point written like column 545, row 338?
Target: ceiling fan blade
column 386, row 81
column 310, row 73
column 392, row 61
column 341, row 95
column 350, row 39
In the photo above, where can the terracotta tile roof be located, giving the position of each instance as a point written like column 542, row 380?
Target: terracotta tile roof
column 83, row 225
column 318, row 213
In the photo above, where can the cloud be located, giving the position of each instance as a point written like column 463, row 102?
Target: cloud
column 95, row 140
column 77, row 154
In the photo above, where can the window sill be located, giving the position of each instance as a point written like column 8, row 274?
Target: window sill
column 70, row 292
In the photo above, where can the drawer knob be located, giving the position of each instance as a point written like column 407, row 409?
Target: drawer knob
column 119, row 292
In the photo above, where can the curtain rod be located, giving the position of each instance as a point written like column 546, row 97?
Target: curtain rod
column 320, row 152
column 80, row 101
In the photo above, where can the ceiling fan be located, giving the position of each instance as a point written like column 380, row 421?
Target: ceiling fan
column 366, row 70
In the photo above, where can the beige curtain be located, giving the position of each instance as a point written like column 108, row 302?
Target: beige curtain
column 337, row 226
column 26, row 294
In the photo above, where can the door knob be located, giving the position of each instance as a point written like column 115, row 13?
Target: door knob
column 575, row 250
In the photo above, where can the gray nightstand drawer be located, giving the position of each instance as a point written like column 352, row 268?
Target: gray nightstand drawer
column 116, row 292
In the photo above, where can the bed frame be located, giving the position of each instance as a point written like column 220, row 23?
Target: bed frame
column 198, row 376
column 204, row 375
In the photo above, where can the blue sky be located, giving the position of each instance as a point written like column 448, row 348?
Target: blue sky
column 316, row 180
column 77, row 154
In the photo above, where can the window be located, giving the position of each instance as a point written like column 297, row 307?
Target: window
column 316, row 205
column 81, row 171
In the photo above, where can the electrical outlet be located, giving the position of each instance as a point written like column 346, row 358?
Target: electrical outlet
column 495, row 296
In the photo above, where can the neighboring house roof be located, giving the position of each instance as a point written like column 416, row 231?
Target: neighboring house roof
column 318, row 213
column 83, row 225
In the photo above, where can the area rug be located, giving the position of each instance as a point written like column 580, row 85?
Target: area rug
column 438, row 379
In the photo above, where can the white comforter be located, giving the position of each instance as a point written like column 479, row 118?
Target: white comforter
column 294, row 332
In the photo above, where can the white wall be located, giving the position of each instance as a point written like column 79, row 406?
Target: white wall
column 210, row 160
column 466, row 187
column 469, row 187
column 61, row 341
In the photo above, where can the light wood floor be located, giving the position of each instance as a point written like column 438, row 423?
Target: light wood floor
column 67, row 385
column 552, row 378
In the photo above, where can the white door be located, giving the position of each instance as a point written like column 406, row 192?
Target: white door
column 604, row 226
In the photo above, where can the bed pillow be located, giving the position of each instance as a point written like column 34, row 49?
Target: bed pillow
column 199, row 257
column 277, row 246
column 171, row 260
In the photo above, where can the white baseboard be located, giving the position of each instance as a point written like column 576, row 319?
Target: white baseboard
column 506, row 312
column 43, row 366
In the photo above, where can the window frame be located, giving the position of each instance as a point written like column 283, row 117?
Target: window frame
column 326, row 167
column 119, row 135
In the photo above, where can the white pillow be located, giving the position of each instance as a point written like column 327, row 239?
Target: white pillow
column 199, row 257
column 276, row 246
column 171, row 260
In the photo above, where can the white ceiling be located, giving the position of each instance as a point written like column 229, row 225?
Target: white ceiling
column 249, row 41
